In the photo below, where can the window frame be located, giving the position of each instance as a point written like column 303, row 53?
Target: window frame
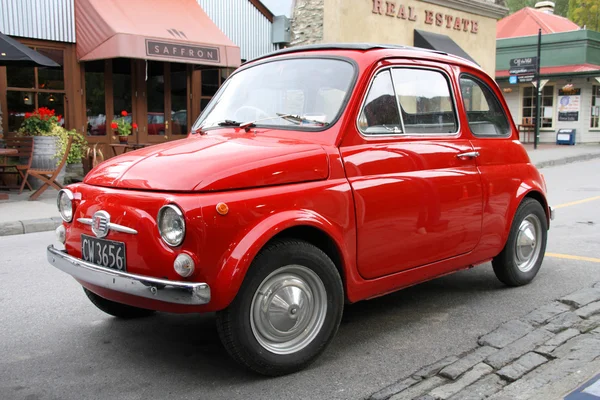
column 508, row 120
column 451, row 92
column 554, row 112
column 592, row 117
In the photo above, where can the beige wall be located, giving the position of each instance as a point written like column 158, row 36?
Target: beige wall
column 354, row 21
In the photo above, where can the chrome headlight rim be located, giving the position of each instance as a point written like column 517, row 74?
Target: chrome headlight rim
column 179, row 213
column 70, row 196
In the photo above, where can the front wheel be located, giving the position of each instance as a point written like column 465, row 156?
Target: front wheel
column 522, row 256
column 117, row 309
column 287, row 310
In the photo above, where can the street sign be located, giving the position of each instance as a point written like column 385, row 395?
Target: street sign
column 512, row 79
column 522, row 71
column 524, row 62
column 523, row 66
column 526, row 78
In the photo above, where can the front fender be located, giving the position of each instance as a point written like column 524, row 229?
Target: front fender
column 237, row 261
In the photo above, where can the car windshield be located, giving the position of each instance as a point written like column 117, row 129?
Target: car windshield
column 304, row 93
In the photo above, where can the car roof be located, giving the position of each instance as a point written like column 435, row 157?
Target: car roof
column 360, row 47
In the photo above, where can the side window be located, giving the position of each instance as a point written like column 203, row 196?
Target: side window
column 484, row 112
column 380, row 112
column 425, row 101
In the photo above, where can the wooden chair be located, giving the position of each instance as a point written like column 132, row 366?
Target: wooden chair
column 48, row 177
column 23, row 158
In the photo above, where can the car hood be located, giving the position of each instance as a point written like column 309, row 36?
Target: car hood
column 214, row 163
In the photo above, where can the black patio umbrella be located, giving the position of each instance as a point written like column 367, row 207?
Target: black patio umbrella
column 15, row 53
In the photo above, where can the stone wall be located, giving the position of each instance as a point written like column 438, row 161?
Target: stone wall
column 307, row 22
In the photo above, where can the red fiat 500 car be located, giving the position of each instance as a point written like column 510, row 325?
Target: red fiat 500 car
column 317, row 176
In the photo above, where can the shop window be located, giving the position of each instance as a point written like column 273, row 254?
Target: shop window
column 20, row 77
column 121, row 79
column 95, row 98
column 51, row 78
column 484, row 111
column 210, row 82
column 155, row 89
column 25, row 93
column 19, row 103
column 529, row 109
column 179, row 98
column 425, row 101
column 595, row 112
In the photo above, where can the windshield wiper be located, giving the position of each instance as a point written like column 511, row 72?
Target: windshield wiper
column 229, row 122
column 296, row 119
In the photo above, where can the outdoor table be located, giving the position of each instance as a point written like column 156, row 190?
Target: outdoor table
column 6, row 152
column 127, row 147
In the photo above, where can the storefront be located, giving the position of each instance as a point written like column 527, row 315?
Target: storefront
column 158, row 61
column 569, row 69
column 467, row 29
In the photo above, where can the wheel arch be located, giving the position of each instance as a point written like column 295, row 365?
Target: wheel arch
column 530, row 190
column 302, row 224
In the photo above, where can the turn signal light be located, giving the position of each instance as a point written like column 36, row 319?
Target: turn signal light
column 184, row 265
column 222, row 208
column 61, row 234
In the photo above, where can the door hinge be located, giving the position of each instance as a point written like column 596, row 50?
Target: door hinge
column 136, row 93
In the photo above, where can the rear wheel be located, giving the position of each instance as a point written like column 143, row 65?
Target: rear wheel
column 287, row 310
column 117, row 309
column 522, row 256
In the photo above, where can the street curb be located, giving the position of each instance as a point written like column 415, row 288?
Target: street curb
column 29, row 226
column 567, row 160
column 50, row 224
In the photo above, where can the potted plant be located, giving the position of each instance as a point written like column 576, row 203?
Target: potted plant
column 123, row 127
column 49, row 141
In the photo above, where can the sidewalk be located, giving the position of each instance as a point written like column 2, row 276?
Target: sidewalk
column 552, row 353
column 18, row 216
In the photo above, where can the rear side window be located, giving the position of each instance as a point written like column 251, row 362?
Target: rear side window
column 484, row 112
column 425, row 101
column 380, row 114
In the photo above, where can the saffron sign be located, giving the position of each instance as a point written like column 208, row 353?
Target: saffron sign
column 180, row 50
column 398, row 10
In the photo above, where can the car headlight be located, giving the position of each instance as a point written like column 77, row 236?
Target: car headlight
column 171, row 225
column 64, row 202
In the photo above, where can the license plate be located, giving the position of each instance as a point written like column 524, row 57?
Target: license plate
column 106, row 253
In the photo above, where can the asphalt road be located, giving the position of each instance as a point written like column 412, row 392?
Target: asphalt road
column 54, row 344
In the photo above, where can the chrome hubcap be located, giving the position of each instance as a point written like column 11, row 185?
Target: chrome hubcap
column 528, row 246
column 288, row 309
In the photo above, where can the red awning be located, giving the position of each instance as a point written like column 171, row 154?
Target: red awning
column 165, row 30
column 559, row 70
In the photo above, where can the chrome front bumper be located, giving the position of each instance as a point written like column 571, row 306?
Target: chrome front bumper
column 175, row 292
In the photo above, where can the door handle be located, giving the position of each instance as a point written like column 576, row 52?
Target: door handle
column 470, row 154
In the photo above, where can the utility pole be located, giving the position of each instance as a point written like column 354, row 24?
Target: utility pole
column 538, row 86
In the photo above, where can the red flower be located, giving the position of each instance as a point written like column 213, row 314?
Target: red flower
column 59, row 118
column 114, row 125
column 134, row 125
column 27, row 115
column 124, row 113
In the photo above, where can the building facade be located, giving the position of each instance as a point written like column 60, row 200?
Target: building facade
column 459, row 27
column 159, row 61
column 569, row 69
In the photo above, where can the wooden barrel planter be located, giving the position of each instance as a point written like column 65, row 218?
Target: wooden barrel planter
column 44, row 157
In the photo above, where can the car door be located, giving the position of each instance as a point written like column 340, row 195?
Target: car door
column 413, row 172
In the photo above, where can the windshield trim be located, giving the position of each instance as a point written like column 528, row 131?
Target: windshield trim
column 343, row 105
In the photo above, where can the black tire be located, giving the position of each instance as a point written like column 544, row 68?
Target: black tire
column 506, row 264
column 117, row 309
column 234, row 323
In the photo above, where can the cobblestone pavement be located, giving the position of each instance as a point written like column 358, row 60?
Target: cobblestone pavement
column 543, row 355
